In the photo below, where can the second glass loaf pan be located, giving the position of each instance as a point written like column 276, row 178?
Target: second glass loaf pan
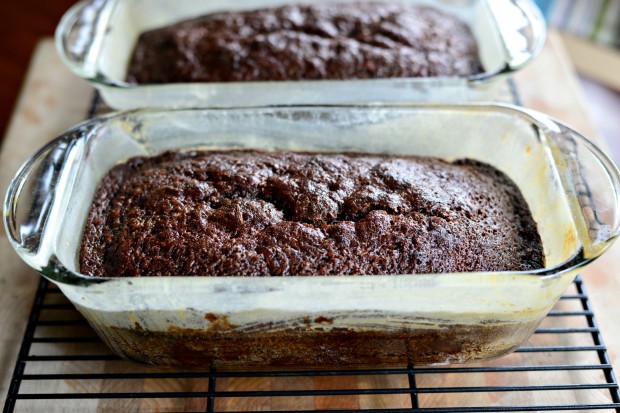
column 96, row 39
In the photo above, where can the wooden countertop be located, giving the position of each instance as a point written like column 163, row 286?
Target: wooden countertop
column 52, row 100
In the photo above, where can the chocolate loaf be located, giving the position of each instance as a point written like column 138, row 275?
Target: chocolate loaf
column 253, row 213
column 323, row 41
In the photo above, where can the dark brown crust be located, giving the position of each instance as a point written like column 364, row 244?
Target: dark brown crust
column 335, row 41
column 314, row 347
column 250, row 213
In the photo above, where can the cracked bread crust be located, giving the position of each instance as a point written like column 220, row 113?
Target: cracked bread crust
column 324, row 41
column 253, row 213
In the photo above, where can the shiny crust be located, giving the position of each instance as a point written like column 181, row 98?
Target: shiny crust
column 324, row 41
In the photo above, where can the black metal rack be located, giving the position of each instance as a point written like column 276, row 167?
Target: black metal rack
column 564, row 366
column 568, row 347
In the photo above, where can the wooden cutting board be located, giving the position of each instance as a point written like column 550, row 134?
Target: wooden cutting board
column 52, row 100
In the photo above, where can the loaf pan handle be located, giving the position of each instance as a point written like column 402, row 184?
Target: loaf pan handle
column 593, row 180
column 80, row 34
column 31, row 203
column 523, row 30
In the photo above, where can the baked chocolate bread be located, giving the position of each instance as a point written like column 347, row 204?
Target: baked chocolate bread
column 252, row 213
column 323, row 41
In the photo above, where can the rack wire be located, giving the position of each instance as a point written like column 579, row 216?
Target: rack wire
column 63, row 366
column 565, row 366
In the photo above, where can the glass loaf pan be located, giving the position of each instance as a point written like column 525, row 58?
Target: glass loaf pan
column 96, row 38
column 235, row 322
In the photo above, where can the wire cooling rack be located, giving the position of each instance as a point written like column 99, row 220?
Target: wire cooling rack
column 63, row 366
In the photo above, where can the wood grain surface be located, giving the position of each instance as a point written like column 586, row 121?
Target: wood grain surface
column 44, row 111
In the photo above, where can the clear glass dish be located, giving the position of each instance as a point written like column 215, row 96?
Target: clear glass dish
column 96, row 38
column 572, row 189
